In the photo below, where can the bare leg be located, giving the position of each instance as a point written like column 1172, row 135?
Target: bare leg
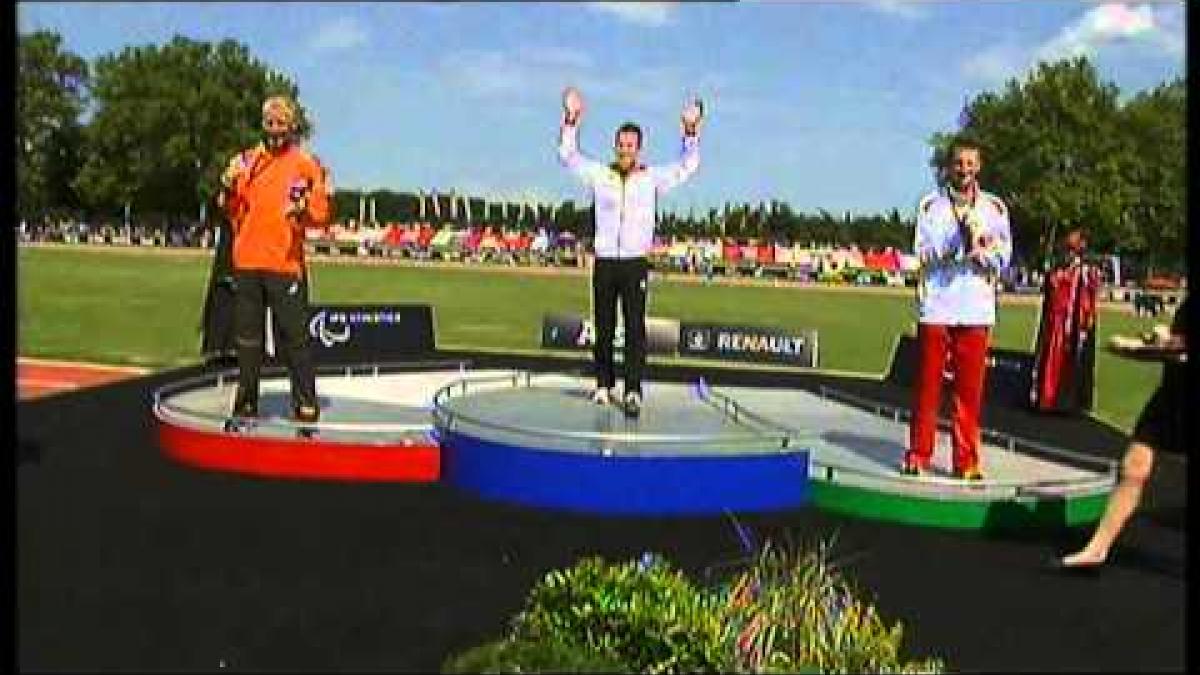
column 1135, row 469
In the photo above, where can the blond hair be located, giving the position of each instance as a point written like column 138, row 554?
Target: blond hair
column 281, row 104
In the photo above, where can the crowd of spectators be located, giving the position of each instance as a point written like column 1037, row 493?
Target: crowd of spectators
column 66, row 230
column 707, row 257
column 427, row 241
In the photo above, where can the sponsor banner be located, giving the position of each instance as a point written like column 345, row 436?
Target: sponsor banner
column 1009, row 378
column 344, row 334
column 748, row 343
column 572, row 331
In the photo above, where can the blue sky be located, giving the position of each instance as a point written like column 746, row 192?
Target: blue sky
column 823, row 104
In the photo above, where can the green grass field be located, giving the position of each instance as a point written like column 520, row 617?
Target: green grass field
column 144, row 309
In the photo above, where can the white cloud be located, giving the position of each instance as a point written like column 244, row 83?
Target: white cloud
column 530, row 78
column 484, row 73
column 531, row 68
column 644, row 87
column 554, row 56
column 511, row 74
column 1158, row 27
column 1171, row 32
column 904, row 9
column 1112, row 23
column 340, row 34
column 650, row 14
column 995, row 65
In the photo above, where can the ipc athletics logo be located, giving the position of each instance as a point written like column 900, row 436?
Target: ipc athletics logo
column 319, row 327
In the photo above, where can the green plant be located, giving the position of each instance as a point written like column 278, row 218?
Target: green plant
column 794, row 610
column 644, row 613
column 522, row 656
column 789, row 610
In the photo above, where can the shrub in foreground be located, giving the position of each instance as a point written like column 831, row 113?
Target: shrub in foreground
column 786, row 611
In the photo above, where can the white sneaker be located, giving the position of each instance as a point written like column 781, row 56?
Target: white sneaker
column 602, row 396
column 633, row 404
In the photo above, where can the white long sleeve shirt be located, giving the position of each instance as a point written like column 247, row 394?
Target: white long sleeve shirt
column 954, row 290
column 625, row 206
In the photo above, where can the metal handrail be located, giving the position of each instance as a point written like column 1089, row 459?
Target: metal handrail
column 768, row 430
column 165, row 411
column 1105, row 479
column 448, row 419
column 1009, row 441
column 828, row 471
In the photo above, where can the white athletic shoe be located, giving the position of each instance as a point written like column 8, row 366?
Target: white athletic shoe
column 602, row 396
column 633, row 404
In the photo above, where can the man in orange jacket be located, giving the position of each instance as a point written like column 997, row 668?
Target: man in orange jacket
column 272, row 192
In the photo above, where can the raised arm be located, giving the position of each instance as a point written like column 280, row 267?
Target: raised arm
column 671, row 175
column 586, row 169
column 318, row 202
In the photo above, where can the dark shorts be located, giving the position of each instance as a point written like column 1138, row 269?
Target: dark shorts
column 1161, row 423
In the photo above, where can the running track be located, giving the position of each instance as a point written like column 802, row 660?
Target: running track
column 41, row 377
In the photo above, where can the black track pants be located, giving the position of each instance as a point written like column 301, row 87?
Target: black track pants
column 287, row 297
column 624, row 280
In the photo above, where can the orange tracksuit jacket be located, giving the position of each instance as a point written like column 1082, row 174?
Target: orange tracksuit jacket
column 265, row 238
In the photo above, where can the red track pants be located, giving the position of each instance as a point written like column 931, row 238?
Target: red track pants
column 967, row 348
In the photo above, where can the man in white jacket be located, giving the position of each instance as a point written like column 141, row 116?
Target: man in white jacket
column 624, row 194
column 963, row 241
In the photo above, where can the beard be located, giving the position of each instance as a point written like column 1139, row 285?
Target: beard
column 276, row 141
column 962, row 182
column 962, row 188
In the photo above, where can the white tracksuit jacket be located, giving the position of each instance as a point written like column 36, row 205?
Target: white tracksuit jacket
column 625, row 206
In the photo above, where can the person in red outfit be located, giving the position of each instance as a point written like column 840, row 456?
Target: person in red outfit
column 1066, row 352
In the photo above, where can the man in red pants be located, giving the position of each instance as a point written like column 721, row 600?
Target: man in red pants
column 963, row 242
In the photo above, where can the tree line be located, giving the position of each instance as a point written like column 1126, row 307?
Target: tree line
column 151, row 126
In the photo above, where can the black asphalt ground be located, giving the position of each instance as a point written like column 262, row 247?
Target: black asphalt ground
column 129, row 562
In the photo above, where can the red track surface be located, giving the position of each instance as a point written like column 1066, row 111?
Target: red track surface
column 39, row 377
